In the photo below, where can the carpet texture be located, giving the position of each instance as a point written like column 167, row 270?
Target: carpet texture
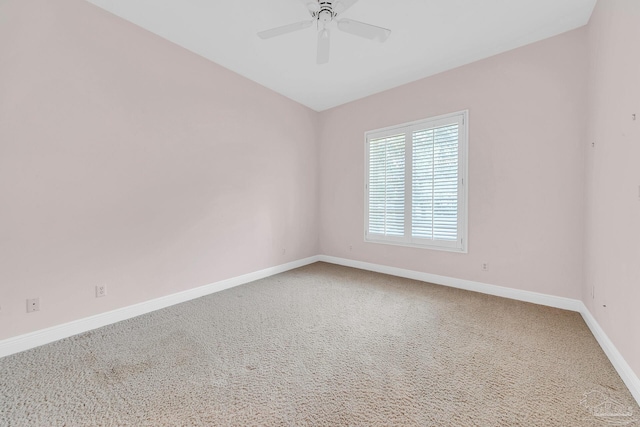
column 324, row 346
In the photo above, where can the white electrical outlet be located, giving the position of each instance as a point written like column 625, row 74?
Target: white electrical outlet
column 485, row 266
column 33, row 304
column 101, row 291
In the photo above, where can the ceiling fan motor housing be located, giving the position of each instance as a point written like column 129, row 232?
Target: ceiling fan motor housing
column 326, row 13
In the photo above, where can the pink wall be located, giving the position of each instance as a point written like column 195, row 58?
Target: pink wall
column 526, row 162
column 613, row 175
column 131, row 162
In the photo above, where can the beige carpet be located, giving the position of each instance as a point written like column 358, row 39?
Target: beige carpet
column 324, row 346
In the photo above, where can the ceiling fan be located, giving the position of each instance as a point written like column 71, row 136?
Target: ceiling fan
column 323, row 14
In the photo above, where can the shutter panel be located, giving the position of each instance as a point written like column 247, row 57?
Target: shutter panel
column 435, row 183
column 386, row 185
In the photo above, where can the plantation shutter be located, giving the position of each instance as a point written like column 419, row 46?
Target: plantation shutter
column 416, row 191
column 386, row 185
column 435, row 183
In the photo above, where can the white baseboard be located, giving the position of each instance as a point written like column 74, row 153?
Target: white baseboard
column 44, row 336
column 622, row 367
column 624, row 370
column 500, row 291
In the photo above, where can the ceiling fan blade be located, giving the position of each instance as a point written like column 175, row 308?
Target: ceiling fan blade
column 311, row 5
column 267, row 34
column 323, row 46
column 361, row 29
column 341, row 6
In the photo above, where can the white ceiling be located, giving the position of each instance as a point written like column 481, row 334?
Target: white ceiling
column 428, row 37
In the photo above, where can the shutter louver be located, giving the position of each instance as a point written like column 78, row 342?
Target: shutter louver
column 386, row 185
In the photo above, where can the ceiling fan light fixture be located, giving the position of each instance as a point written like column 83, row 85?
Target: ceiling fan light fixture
column 325, row 16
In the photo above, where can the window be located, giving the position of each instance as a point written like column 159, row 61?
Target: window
column 416, row 184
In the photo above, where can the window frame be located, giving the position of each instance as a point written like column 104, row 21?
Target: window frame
column 461, row 244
